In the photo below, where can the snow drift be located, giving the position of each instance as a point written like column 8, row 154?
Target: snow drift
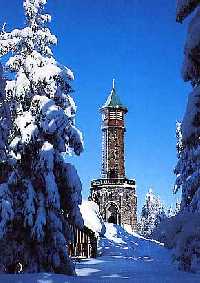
column 92, row 218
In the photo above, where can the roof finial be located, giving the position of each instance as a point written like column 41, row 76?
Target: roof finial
column 113, row 83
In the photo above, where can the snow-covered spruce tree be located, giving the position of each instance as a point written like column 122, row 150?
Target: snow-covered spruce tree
column 152, row 214
column 188, row 133
column 4, row 120
column 39, row 192
column 187, row 243
column 172, row 211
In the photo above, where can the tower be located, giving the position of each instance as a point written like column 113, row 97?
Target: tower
column 114, row 193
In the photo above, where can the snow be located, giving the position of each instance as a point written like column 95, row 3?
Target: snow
column 188, row 124
column 181, row 233
column 190, row 68
column 94, row 221
column 182, row 229
column 75, row 139
column 37, row 230
column 29, row 209
column 124, row 258
column 26, row 127
column 6, row 209
column 152, row 213
column 134, row 258
column 193, row 35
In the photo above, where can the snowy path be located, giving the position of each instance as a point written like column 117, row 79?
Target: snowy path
column 132, row 258
column 125, row 258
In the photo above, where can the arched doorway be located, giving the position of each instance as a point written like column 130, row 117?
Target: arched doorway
column 112, row 214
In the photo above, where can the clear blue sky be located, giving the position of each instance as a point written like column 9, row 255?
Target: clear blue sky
column 138, row 43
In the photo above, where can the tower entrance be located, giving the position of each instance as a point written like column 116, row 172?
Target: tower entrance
column 112, row 214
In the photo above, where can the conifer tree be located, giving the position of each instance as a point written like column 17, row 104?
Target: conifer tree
column 188, row 132
column 152, row 214
column 39, row 192
column 188, row 145
column 4, row 118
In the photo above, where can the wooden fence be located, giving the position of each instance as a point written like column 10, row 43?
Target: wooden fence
column 84, row 245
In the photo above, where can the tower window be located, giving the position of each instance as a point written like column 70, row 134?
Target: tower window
column 119, row 115
column 116, row 115
column 112, row 115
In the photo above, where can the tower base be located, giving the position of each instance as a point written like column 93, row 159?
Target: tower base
column 117, row 200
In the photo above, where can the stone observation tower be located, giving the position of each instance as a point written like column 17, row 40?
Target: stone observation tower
column 113, row 192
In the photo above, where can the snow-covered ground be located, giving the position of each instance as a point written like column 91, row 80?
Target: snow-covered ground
column 124, row 258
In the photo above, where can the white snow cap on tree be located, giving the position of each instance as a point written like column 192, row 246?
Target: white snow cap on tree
column 186, row 241
column 189, row 131
column 41, row 194
column 152, row 213
column 92, row 218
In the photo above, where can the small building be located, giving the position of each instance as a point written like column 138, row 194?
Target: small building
column 113, row 191
column 84, row 244
column 85, row 240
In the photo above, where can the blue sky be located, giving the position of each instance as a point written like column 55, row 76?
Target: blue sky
column 138, row 43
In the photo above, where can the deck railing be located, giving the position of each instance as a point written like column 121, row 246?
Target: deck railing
column 112, row 181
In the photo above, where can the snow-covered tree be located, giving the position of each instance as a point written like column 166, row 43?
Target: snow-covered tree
column 152, row 214
column 172, row 211
column 39, row 192
column 4, row 118
column 177, row 207
column 186, row 227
